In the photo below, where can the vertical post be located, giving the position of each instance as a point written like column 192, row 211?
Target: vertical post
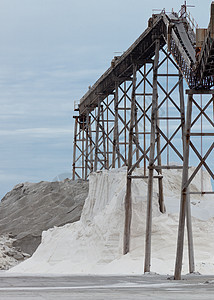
column 125, row 122
column 86, row 148
column 144, row 120
column 128, row 201
column 107, row 131
column 202, row 175
column 115, row 140
column 75, row 147
column 182, row 108
column 103, row 137
column 90, row 145
column 83, row 148
column 160, row 180
column 167, row 105
column 189, row 233
column 137, row 136
column 117, row 144
column 97, row 137
column 184, row 195
column 188, row 208
column 151, row 161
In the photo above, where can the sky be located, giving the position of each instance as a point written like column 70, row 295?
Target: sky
column 50, row 52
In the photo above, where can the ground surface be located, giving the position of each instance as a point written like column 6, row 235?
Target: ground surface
column 105, row 287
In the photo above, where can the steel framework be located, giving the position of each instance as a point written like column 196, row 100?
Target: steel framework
column 134, row 116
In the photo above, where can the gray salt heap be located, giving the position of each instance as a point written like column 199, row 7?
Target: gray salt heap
column 9, row 255
column 30, row 208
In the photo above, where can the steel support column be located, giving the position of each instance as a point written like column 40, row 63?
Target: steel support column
column 186, row 180
column 151, row 161
column 184, row 197
column 128, row 200
column 116, row 134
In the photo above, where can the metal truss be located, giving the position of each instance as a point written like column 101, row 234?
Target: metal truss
column 142, row 124
column 199, row 113
column 134, row 116
column 107, row 132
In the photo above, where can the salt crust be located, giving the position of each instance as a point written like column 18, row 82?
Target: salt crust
column 93, row 245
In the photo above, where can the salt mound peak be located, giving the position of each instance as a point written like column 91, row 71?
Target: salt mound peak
column 93, row 245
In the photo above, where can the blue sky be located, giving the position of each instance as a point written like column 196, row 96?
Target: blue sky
column 50, row 52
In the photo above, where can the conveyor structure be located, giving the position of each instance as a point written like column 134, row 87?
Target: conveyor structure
column 175, row 31
column 134, row 116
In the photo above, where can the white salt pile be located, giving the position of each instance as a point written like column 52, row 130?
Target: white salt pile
column 93, row 245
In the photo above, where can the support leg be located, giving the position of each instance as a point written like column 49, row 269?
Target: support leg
column 91, row 146
column 160, row 180
column 184, row 200
column 115, row 140
column 83, row 148
column 189, row 234
column 86, row 148
column 188, row 208
column 97, row 138
column 75, row 148
column 128, row 202
column 103, row 138
column 137, row 136
column 151, row 162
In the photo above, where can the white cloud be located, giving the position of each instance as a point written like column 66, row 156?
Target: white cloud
column 7, row 177
column 38, row 132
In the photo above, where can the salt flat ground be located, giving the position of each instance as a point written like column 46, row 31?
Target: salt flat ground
column 105, row 287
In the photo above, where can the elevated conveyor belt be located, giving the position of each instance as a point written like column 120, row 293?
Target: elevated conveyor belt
column 172, row 30
column 183, row 35
column 185, row 40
